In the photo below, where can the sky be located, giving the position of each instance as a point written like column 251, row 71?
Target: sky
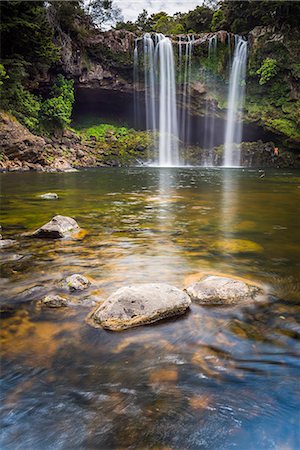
column 132, row 8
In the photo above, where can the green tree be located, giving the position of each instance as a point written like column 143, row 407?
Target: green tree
column 217, row 20
column 198, row 20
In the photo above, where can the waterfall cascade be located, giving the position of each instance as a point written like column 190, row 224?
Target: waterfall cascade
column 210, row 108
column 233, row 133
column 168, row 110
column 160, row 95
column 184, row 78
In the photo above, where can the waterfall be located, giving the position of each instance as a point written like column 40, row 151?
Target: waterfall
column 233, row 134
column 160, row 95
column 168, row 123
column 136, row 83
column 210, row 107
column 185, row 126
column 149, row 82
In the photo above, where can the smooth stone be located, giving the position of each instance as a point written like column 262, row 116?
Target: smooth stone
column 139, row 304
column 58, row 227
column 77, row 282
column 54, row 301
column 214, row 290
column 7, row 243
column 49, row 196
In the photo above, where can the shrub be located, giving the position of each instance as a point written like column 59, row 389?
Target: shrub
column 267, row 70
column 56, row 111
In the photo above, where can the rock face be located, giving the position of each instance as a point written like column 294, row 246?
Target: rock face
column 139, row 305
column 54, row 301
column 58, row 227
column 213, row 290
column 49, row 196
column 77, row 282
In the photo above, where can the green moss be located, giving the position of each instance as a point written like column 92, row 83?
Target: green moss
column 121, row 145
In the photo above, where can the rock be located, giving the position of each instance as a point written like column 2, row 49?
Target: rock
column 58, row 227
column 237, row 246
column 214, row 290
column 70, row 170
column 139, row 304
column 49, row 196
column 77, row 282
column 54, row 301
column 7, row 243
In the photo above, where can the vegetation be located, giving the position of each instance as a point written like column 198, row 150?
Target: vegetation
column 121, row 144
column 267, row 70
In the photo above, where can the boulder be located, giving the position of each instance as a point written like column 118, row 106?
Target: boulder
column 58, row 227
column 54, row 301
column 49, row 196
column 214, row 290
column 139, row 304
column 7, row 243
column 77, row 282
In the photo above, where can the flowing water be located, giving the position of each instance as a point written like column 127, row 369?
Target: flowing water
column 233, row 132
column 216, row 378
column 160, row 94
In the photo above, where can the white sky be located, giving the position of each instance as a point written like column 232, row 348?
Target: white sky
column 132, row 8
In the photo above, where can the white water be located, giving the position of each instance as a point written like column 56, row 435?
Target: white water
column 185, row 94
column 160, row 96
column 149, row 82
column 233, row 134
column 210, row 106
column 168, row 122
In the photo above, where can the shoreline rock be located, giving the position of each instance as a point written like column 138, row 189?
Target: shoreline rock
column 139, row 304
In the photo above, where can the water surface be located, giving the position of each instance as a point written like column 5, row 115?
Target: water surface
column 217, row 378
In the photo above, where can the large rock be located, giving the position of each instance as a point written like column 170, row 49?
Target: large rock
column 214, row 290
column 139, row 304
column 58, row 227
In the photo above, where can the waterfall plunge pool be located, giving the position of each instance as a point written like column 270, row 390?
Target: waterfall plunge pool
column 216, row 378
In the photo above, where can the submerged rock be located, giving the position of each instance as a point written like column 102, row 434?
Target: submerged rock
column 58, row 227
column 139, row 304
column 49, row 196
column 214, row 290
column 54, row 301
column 237, row 246
column 7, row 243
column 77, row 282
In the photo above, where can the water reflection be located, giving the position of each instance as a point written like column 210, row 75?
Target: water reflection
column 217, row 378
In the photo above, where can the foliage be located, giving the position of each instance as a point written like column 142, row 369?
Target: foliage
column 197, row 20
column 121, row 144
column 104, row 11
column 242, row 16
column 217, row 20
column 26, row 36
column 56, row 111
column 267, row 70
column 3, row 74
column 167, row 25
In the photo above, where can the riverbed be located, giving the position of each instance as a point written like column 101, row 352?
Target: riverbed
column 216, row 378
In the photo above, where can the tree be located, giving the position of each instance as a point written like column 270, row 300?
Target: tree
column 104, row 12
column 198, row 20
